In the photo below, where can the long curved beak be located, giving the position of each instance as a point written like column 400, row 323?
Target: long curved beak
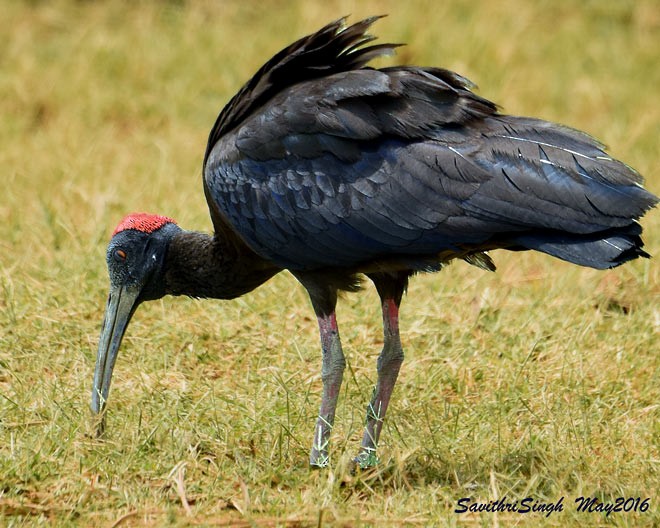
column 122, row 303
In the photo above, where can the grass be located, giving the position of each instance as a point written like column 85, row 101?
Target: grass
column 539, row 381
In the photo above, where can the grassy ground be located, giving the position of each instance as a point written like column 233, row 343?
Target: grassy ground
column 539, row 381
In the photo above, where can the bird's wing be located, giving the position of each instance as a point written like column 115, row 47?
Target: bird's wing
column 315, row 177
column 332, row 49
column 371, row 164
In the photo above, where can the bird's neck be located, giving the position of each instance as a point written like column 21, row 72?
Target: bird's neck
column 200, row 265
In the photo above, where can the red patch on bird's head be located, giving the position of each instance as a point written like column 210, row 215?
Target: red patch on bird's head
column 144, row 222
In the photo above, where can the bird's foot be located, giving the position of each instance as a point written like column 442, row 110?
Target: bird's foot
column 322, row 460
column 99, row 425
column 320, row 454
column 366, row 459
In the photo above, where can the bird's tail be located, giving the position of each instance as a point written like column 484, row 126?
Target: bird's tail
column 602, row 250
column 564, row 193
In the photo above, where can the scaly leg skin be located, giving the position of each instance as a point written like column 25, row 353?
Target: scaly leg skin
column 389, row 364
column 332, row 374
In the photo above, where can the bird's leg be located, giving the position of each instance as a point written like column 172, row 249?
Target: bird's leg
column 332, row 374
column 324, row 301
column 390, row 288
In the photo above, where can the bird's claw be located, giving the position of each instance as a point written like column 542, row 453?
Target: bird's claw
column 319, row 458
column 366, row 459
column 320, row 463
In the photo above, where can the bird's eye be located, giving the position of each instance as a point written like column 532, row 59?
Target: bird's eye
column 120, row 255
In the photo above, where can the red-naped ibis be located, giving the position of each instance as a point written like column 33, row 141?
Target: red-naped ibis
column 329, row 169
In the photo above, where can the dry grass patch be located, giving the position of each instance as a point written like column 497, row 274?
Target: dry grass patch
column 539, row 381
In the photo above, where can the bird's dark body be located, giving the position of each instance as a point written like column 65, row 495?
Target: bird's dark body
column 406, row 168
column 328, row 168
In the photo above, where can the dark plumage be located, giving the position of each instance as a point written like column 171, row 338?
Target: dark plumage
column 330, row 169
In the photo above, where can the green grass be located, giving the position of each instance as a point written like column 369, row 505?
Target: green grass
column 539, row 381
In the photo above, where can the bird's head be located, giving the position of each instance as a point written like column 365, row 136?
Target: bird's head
column 136, row 256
